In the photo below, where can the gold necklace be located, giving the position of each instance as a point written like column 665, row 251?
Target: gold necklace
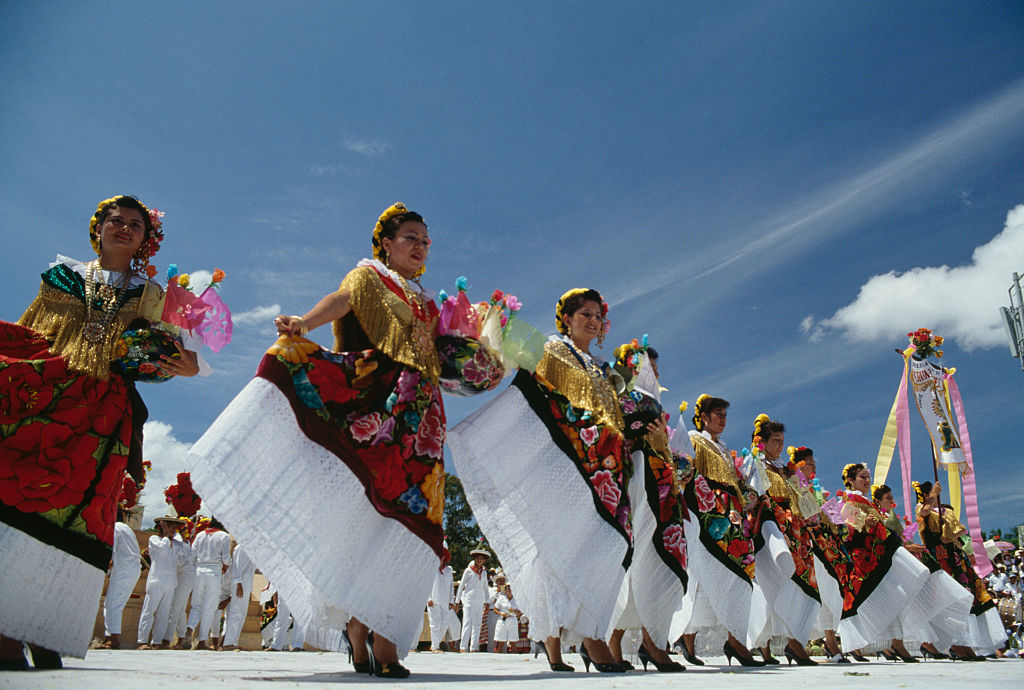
column 113, row 299
column 422, row 334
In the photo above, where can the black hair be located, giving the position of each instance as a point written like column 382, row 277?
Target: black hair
column 767, row 429
column 573, row 303
column 801, row 453
column 390, row 227
column 880, row 491
column 652, row 353
column 124, row 201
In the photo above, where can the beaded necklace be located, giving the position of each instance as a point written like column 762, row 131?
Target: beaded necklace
column 113, row 299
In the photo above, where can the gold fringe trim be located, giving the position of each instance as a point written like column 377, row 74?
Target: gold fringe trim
column 709, row 462
column 588, row 390
column 389, row 323
column 59, row 317
column 949, row 529
column 780, row 489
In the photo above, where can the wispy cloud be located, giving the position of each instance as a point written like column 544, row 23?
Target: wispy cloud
column 959, row 302
column 838, row 207
column 256, row 315
column 370, row 148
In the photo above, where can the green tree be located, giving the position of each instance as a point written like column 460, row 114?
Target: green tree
column 460, row 527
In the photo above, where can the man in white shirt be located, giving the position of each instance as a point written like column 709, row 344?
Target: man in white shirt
column 438, row 606
column 212, row 548
column 472, row 594
column 163, row 576
column 241, row 573
column 126, row 565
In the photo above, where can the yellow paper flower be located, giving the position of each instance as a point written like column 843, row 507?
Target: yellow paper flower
column 433, row 489
column 293, row 349
column 183, row 280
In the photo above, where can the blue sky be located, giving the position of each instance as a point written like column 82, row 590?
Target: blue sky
column 775, row 192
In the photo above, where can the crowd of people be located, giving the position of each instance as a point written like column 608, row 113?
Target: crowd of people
column 328, row 468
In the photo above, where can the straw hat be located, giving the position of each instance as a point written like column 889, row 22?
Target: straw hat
column 170, row 516
column 480, row 552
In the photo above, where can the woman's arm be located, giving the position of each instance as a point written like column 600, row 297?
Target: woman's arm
column 331, row 308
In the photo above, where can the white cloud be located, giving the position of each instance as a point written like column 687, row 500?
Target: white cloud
column 256, row 315
column 169, row 457
column 367, row 147
column 960, row 302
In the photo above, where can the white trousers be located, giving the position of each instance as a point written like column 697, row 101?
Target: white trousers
column 472, row 620
column 237, row 610
column 438, row 619
column 205, row 597
column 118, row 591
column 156, row 608
column 179, row 618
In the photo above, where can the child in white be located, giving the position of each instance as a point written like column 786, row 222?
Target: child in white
column 438, row 606
column 186, row 581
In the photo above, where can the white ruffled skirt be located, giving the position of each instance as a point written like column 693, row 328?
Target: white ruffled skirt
column 890, row 598
column 793, row 613
column 305, row 519
column 564, row 562
column 651, row 592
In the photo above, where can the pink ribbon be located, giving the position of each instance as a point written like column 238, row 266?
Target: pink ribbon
column 983, row 565
column 903, row 443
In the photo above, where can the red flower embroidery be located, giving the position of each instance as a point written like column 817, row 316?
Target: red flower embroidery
column 101, row 513
column 675, row 543
column 738, row 548
column 25, row 394
column 332, row 388
column 46, row 466
column 366, row 427
column 705, row 496
column 607, row 490
column 385, row 463
column 431, row 432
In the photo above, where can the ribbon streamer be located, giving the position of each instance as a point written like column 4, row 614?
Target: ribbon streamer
column 983, row 565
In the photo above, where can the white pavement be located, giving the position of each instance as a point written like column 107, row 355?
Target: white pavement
column 158, row 670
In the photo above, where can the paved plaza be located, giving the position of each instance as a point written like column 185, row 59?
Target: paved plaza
column 160, row 670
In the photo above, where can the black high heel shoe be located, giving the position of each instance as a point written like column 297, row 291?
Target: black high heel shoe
column 357, row 666
column 731, row 652
column 857, row 656
column 932, row 655
column 907, row 659
column 691, row 658
column 769, row 660
column 601, row 668
column 566, row 668
column 666, row 667
column 391, row 669
column 886, row 654
column 800, row 661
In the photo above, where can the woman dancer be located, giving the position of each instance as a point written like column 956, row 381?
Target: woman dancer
column 656, row 579
column 885, row 577
column 784, row 549
column 546, row 473
column 941, row 533
column 68, row 431
column 942, row 606
column 831, row 562
column 721, row 592
column 328, row 465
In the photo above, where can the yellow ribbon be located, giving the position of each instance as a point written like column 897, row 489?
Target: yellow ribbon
column 888, row 446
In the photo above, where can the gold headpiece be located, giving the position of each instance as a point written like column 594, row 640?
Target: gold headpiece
column 759, row 423
column 390, row 212
column 698, row 410
column 918, row 491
